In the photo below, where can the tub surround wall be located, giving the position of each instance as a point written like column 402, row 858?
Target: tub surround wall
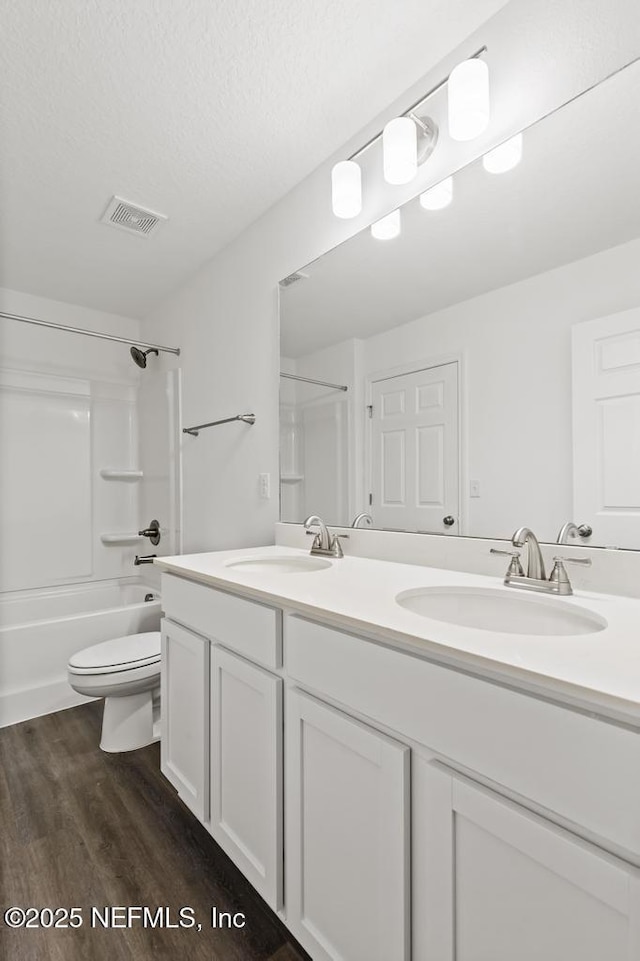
column 225, row 318
column 69, row 412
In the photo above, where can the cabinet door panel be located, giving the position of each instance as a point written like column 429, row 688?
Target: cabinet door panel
column 347, row 821
column 184, row 747
column 519, row 886
column 246, row 769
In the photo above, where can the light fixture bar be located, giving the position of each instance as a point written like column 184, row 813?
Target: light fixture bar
column 414, row 106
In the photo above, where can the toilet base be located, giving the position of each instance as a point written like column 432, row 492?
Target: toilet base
column 127, row 723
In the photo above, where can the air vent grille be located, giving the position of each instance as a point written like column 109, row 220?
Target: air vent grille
column 130, row 217
column 293, row 278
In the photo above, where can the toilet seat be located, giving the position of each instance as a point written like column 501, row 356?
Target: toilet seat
column 117, row 655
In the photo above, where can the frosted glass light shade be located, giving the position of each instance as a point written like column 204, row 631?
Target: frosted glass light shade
column 439, row 196
column 400, row 150
column 468, row 99
column 388, row 227
column 505, row 157
column 346, row 189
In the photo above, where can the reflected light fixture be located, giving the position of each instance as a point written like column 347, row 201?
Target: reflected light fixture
column 468, row 99
column 400, row 150
column 346, row 189
column 439, row 196
column 409, row 140
column 388, row 227
column 505, row 157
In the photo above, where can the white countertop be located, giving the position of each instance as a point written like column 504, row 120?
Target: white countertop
column 598, row 673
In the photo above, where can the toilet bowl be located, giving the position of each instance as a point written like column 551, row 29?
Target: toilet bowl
column 125, row 671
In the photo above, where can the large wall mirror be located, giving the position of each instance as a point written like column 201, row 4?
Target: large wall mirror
column 490, row 352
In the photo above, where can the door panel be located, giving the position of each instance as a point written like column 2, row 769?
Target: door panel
column 347, row 829
column 606, row 427
column 184, row 749
column 415, row 450
column 503, row 883
column 246, row 769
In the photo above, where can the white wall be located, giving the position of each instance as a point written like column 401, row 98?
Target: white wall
column 70, row 408
column 515, row 344
column 541, row 54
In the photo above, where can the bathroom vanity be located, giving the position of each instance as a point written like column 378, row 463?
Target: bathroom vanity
column 398, row 786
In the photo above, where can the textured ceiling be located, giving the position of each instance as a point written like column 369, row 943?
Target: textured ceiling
column 205, row 111
column 574, row 193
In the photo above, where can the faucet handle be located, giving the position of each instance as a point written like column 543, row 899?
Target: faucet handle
column 585, row 561
column 515, row 567
column 559, row 576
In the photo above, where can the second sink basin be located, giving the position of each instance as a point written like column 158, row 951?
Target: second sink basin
column 500, row 611
column 285, row 564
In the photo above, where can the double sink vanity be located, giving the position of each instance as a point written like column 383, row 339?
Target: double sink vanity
column 409, row 762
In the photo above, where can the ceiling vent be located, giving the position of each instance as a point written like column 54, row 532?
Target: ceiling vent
column 127, row 216
column 293, row 278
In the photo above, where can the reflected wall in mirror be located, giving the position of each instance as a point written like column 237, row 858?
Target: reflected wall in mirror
column 491, row 352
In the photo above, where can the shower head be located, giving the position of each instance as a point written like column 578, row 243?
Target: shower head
column 140, row 356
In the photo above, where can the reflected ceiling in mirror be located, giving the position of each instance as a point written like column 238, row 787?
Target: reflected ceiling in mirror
column 491, row 351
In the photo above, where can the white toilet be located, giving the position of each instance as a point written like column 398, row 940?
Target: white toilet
column 126, row 672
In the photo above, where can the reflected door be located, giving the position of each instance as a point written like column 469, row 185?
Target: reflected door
column 415, row 451
column 606, row 428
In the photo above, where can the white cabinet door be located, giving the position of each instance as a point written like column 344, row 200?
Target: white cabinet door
column 346, row 831
column 184, row 742
column 506, row 885
column 415, row 451
column 246, row 769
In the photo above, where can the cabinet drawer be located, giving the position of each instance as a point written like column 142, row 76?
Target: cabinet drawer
column 581, row 768
column 243, row 626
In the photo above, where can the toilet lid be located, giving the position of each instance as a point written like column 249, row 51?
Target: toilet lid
column 118, row 654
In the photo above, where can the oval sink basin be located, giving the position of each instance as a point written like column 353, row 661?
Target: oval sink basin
column 293, row 564
column 500, row 611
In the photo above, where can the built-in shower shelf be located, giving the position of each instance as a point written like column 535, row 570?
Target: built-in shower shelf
column 123, row 538
column 121, row 475
column 291, row 478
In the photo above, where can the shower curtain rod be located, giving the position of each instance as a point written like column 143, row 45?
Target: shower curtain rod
column 89, row 333
column 310, row 380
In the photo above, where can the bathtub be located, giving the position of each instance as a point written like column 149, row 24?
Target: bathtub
column 39, row 630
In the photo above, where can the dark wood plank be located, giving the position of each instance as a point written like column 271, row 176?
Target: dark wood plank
column 81, row 828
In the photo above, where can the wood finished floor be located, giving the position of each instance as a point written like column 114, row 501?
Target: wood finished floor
column 82, row 828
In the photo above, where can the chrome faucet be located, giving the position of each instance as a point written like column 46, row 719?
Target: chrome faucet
column 535, row 562
column 325, row 543
column 362, row 520
column 535, row 579
column 573, row 530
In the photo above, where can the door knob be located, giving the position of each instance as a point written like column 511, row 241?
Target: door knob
column 448, row 521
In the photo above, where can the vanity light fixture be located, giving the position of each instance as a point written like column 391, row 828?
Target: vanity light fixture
column 408, row 140
column 388, row 227
column 400, row 150
column 439, row 196
column 468, row 99
column 505, row 157
column 346, row 189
